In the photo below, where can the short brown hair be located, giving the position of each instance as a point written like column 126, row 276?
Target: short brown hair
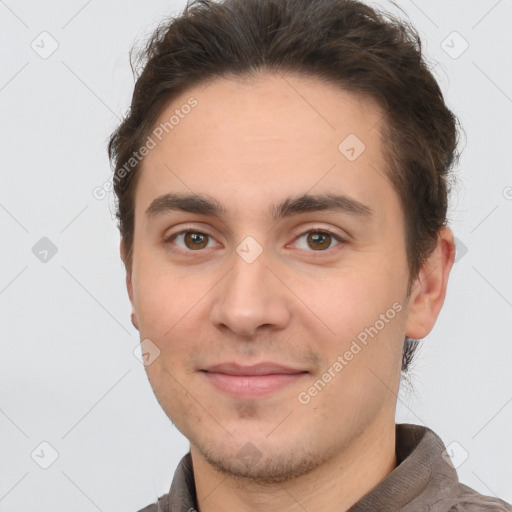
column 341, row 42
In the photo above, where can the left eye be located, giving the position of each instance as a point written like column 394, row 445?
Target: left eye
column 193, row 240
column 318, row 240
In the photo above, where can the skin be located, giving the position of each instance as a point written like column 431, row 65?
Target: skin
column 249, row 144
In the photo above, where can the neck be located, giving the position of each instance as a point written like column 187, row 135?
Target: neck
column 334, row 486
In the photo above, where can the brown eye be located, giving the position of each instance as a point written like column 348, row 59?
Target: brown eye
column 196, row 240
column 319, row 241
column 192, row 241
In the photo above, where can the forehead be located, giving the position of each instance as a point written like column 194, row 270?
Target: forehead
column 261, row 139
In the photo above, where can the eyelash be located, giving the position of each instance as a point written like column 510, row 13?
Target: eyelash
column 170, row 239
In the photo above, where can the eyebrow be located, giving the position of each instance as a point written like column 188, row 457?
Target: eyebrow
column 205, row 205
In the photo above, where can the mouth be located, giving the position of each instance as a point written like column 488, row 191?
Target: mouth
column 254, row 381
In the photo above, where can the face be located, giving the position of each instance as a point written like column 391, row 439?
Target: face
column 289, row 251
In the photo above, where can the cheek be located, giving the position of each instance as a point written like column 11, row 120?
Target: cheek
column 352, row 298
column 154, row 304
column 169, row 307
column 160, row 293
column 358, row 315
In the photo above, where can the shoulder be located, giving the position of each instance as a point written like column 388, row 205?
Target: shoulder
column 162, row 505
column 149, row 508
column 470, row 500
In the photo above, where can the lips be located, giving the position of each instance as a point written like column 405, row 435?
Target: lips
column 252, row 382
column 265, row 368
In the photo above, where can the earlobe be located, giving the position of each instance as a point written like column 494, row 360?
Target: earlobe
column 429, row 289
column 134, row 321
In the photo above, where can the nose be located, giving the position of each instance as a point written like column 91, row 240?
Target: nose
column 251, row 296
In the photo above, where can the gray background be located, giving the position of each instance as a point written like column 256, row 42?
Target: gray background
column 68, row 374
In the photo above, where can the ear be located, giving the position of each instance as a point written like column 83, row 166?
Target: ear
column 129, row 286
column 429, row 289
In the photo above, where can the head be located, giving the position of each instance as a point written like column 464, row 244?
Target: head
column 282, row 188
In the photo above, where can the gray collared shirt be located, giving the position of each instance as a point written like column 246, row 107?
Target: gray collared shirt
column 423, row 481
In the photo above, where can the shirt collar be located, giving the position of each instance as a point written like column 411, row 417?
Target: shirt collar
column 423, row 476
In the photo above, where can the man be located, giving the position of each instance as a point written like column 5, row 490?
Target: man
column 282, row 193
